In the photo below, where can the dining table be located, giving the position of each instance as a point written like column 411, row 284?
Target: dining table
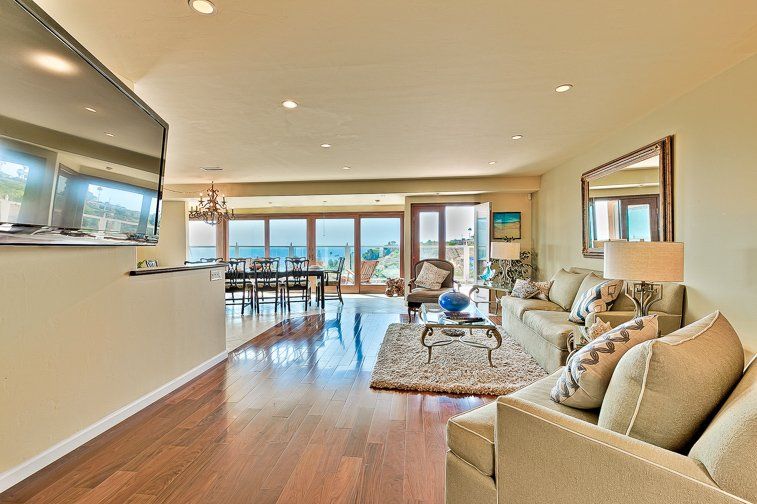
column 317, row 272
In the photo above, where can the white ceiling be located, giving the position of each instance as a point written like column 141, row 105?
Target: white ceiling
column 401, row 89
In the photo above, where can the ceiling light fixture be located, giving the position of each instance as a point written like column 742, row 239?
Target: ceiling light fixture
column 202, row 6
column 289, row 104
column 90, row 109
column 109, row 134
column 53, row 63
column 517, row 137
column 563, row 88
column 346, row 168
column 492, row 162
column 211, row 210
column 326, row 146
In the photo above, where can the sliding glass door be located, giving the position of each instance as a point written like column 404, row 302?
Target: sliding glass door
column 201, row 239
column 247, row 238
column 288, row 238
column 335, row 238
column 380, row 254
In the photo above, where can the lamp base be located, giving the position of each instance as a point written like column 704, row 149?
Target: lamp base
column 643, row 295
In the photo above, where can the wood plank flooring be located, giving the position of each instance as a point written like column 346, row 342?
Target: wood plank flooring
column 288, row 418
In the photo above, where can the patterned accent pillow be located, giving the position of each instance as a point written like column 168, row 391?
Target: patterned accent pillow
column 431, row 277
column 524, row 289
column 597, row 329
column 597, row 299
column 585, row 378
column 543, row 290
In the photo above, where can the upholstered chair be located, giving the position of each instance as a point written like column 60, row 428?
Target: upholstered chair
column 416, row 296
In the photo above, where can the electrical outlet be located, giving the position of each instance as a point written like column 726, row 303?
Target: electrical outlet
column 216, row 274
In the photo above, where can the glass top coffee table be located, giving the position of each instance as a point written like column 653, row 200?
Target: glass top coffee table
column 454, row 327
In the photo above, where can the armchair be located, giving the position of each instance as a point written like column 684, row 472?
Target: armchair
column 416, row 296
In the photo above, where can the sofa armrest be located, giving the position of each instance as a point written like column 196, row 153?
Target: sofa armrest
column 545, row 456
column 667, row 322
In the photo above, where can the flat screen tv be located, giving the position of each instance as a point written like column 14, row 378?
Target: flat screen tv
column 81, row 156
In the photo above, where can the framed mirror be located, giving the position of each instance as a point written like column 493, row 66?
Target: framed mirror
column 629, row 198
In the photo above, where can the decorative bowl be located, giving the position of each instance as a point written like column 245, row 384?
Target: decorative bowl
column 454, row 301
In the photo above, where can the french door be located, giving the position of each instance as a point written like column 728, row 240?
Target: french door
column 456, row 232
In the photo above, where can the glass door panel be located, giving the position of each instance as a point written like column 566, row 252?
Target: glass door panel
column 481, row 236
column 247, row 238
column 202, row 241
column 288, row 238
column 459, row 247
column 335, row 238
column 379, row 249
column 428, row 235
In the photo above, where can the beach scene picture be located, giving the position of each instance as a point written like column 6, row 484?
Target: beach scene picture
column 506, row 225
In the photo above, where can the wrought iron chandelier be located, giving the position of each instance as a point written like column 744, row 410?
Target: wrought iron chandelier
column 211, row 210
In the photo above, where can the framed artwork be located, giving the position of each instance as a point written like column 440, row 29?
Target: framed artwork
column 506, row 226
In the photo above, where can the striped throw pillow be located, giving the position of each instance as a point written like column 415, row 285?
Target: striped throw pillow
column 597, row 299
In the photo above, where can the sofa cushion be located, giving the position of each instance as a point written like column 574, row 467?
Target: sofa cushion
column 552, row 326
column 587, row 374
column 595, row 299
column 470, row 436
column 431, row 277
column 564, row 288
column 538, row 393
column 517, row 307
column 421, row 295
column 664, row 390
column 727, row 448
column 543, row 290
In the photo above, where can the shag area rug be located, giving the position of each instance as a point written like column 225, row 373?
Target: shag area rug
column 456, row 368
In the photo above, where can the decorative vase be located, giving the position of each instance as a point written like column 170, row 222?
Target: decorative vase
column 454, row 301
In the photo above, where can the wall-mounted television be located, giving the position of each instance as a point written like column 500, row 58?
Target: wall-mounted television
column 81, row 156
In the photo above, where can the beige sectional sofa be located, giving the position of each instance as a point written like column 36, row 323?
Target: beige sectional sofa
column 542, row 326
column 525, row 448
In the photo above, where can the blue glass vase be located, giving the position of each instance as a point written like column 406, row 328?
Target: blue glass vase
column 454, row 301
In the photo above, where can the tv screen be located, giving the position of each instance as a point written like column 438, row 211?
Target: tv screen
column 81, row 156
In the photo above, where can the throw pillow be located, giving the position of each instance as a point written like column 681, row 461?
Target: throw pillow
column 586, row 376
column 431, row 277
column 564, row 288
column 597, row 299
column 543, row 287
column 664, row 391
column 524, row 289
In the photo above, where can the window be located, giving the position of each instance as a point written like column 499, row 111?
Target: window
column 247, row 238
column 289, row 238
column 110, row 209
column 335, row 238
column 380, row 249
column 459, row 248
column 202, row 241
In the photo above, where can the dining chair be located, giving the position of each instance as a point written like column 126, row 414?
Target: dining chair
column 236, row 281
column 296, row 281
column 333, row 278
column 265, row 279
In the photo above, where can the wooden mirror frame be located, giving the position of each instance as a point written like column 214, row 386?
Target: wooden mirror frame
column 663, row 148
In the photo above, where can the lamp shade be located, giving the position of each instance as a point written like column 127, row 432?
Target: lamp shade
column 644, row 261
column 505, row 250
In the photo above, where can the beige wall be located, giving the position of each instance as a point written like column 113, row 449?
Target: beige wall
column 715, row 128
column 80, row 339
column 171, row 249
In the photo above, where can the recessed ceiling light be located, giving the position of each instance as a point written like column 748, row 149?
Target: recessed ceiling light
column 517, row 137
column 492, row 162
column 90, row 109
column 202, row 6
column 346, row 168
column 289, row 104
column 564, row 87
column 325, row 146
column 53, row 63
column 109, row 134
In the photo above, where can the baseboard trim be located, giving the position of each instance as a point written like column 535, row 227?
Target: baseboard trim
column 22, row 471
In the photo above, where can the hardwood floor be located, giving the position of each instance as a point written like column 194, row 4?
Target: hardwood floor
column 289, row 417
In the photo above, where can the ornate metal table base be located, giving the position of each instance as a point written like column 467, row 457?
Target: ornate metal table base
column 490, row 332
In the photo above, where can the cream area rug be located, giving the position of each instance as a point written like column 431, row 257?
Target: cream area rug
column 456, row 368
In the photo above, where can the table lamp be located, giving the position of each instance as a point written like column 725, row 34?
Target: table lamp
column 505, row 251
column 643, row 265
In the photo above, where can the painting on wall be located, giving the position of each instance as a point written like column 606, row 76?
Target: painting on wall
column 506, row 226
